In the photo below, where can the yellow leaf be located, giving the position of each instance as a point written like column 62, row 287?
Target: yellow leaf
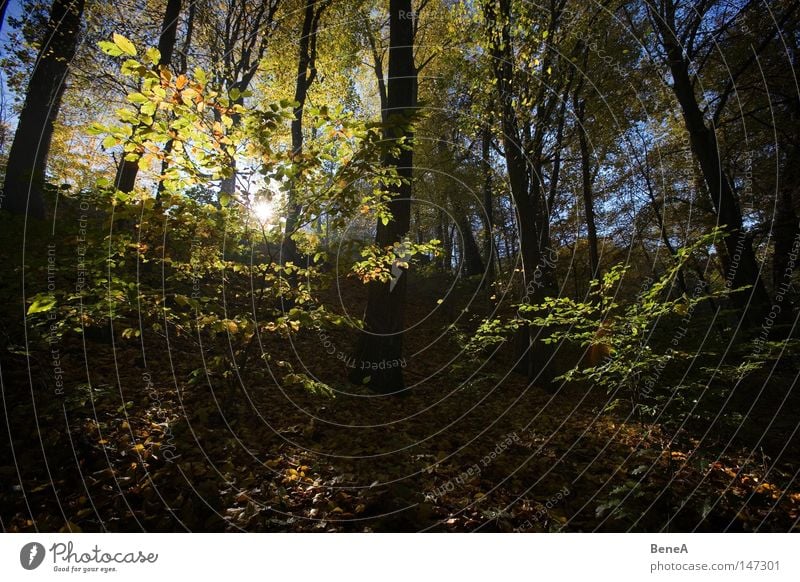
column 124, row 45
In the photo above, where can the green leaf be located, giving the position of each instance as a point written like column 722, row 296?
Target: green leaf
column 96, row 129
column 124, row 45
column 132, row 67
column 42, row 303
column 153, row 55
column 109, row 142
column 109, row 48
column 224, row 199
column 137, row 98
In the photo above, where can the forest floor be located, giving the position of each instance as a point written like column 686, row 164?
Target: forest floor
column 133, row 445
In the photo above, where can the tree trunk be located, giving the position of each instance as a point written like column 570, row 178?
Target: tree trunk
column 586, row 186
column 443, row 234
column 129, row 169
column 488, row 208
column 306, row 73
column 27, row 159
column 379, row 364
column 784, row 231
column 472, row 262
column 499, row 16
column 182, row 69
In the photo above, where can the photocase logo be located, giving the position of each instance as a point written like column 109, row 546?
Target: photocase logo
column 31, row 555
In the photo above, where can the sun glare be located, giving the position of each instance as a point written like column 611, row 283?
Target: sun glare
column 263, row 210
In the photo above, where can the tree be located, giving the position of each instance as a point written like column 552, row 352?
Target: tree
column 237, row 39
column 129, row 168
column 579, row 104
column 678, row 37
column 380, row 345
column 306, row 74
column 27, row 160
column 527, row 106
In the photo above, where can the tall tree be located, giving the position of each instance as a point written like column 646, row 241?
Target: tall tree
column 527, row 108
column 579, row 105
column 306, row 74
column 129, row 169
column 238, row 37
column 679, row 38
column 27, row 159
column 488, row 204
column 183, row 67
column 380, row 345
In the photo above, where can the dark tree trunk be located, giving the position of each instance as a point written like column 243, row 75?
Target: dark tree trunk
column 306, row 73
column 129, row 169
column 27, row 159
column 380, row 346
column 662, row 229
column 488, row 207
column 228, row 185
column 524, row 171
column 182, row 69
column 742, row 268
column 784, row 231
column 240, row 45
column 516, row 160
column 443, row 234
column 586, row 187
column 472, row 262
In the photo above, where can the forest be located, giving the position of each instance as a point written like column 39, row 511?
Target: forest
column 399, row 265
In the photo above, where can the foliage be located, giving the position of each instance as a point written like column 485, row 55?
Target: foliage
column 383, row 264
column 189, row 266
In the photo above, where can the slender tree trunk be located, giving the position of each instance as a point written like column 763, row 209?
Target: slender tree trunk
column 785, row 231
column 662, row 229
column 532, row 220
column 129, row 169
column 586, row 187
column 27, row 159
column 488, row 206
column 380, row 350
column 182, row 69
column 306, row 73
column 472, row 262
column 443, row 233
